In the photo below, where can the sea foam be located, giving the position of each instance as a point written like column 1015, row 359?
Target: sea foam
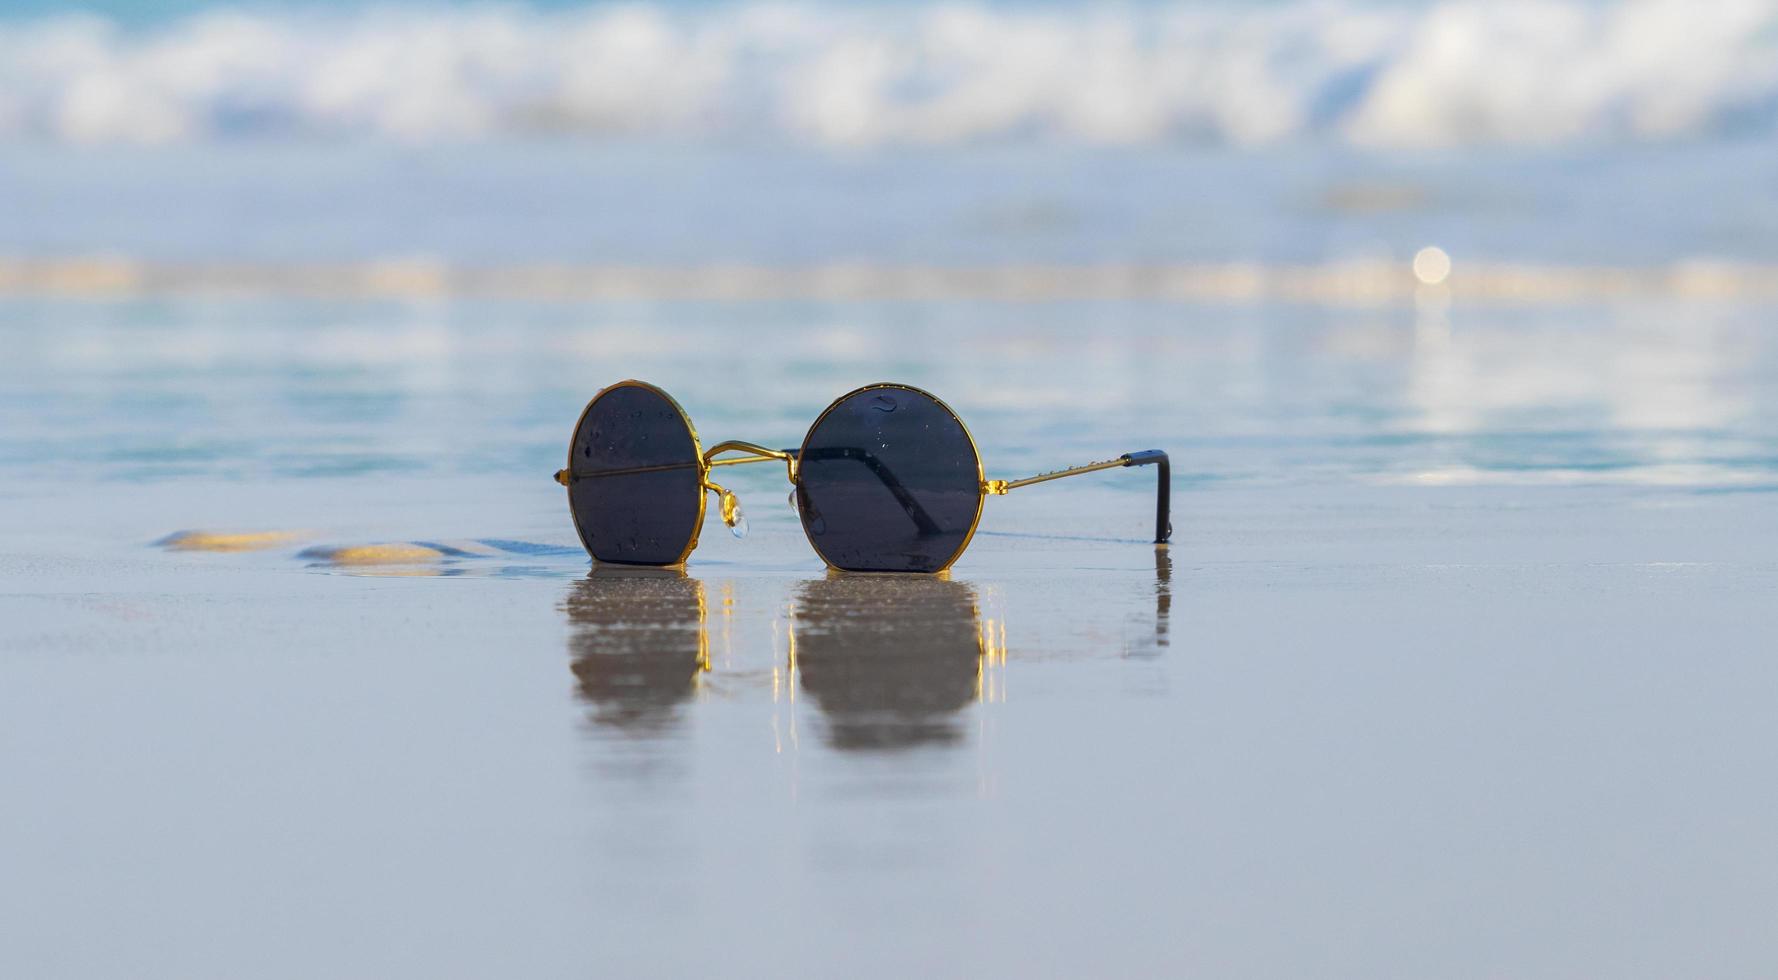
column 1363, row 72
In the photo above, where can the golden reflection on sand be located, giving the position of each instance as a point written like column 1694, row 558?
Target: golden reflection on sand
column 638, row 641
column 228, row 542
column 396, row 553
column 891, row 661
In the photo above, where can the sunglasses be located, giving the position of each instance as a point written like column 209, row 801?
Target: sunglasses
column 887, row 480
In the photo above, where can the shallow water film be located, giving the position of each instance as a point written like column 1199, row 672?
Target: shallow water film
column 1458, row 663
column 1453, row 319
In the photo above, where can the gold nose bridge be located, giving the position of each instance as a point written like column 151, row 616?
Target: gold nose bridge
column 752, row 453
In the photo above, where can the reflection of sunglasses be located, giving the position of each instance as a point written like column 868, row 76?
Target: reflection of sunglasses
column 887, row 480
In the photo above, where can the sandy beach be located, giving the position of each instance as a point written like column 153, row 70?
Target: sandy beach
column 1454, row 318
column 1466, row 673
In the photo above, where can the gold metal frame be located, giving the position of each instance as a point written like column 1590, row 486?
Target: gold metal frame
column 981, row 480
column 1000, row 488
column 706, row 460
column 754, row 453
column 563, row 475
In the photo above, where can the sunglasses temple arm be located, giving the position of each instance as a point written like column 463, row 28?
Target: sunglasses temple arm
column 1163, row 524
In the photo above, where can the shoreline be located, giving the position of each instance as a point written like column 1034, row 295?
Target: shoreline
column 1360, row 283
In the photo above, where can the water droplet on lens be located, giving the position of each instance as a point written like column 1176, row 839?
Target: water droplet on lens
column 817, row 526
column 883, row 403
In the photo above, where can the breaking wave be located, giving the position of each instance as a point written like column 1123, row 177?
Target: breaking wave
column 1362, row 72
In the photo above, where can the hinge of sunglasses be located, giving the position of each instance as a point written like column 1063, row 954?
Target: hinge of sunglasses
column 563, row 477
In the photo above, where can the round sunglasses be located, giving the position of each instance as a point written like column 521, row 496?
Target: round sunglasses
column 887, row 479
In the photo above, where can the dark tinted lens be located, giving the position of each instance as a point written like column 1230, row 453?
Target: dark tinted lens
column 635, row 488
column 888, row 482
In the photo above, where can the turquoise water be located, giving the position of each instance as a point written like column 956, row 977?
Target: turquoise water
column 1643, row 394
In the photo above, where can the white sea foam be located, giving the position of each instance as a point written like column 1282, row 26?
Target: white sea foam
column 1457, row 72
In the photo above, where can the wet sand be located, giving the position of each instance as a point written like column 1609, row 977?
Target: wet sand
column 1458, row 664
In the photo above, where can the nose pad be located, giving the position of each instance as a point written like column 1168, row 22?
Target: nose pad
column 732, row 516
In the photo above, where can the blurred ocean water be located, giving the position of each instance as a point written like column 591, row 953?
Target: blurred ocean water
column 304, row 239
column 1542, row 133
column 533, row 204
column 1658, row 395
column 1361, row 72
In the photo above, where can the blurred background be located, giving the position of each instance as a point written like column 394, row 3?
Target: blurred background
column 1440, row 241
column 1454, row 316
column 1562, row 132
column 1445, row 240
